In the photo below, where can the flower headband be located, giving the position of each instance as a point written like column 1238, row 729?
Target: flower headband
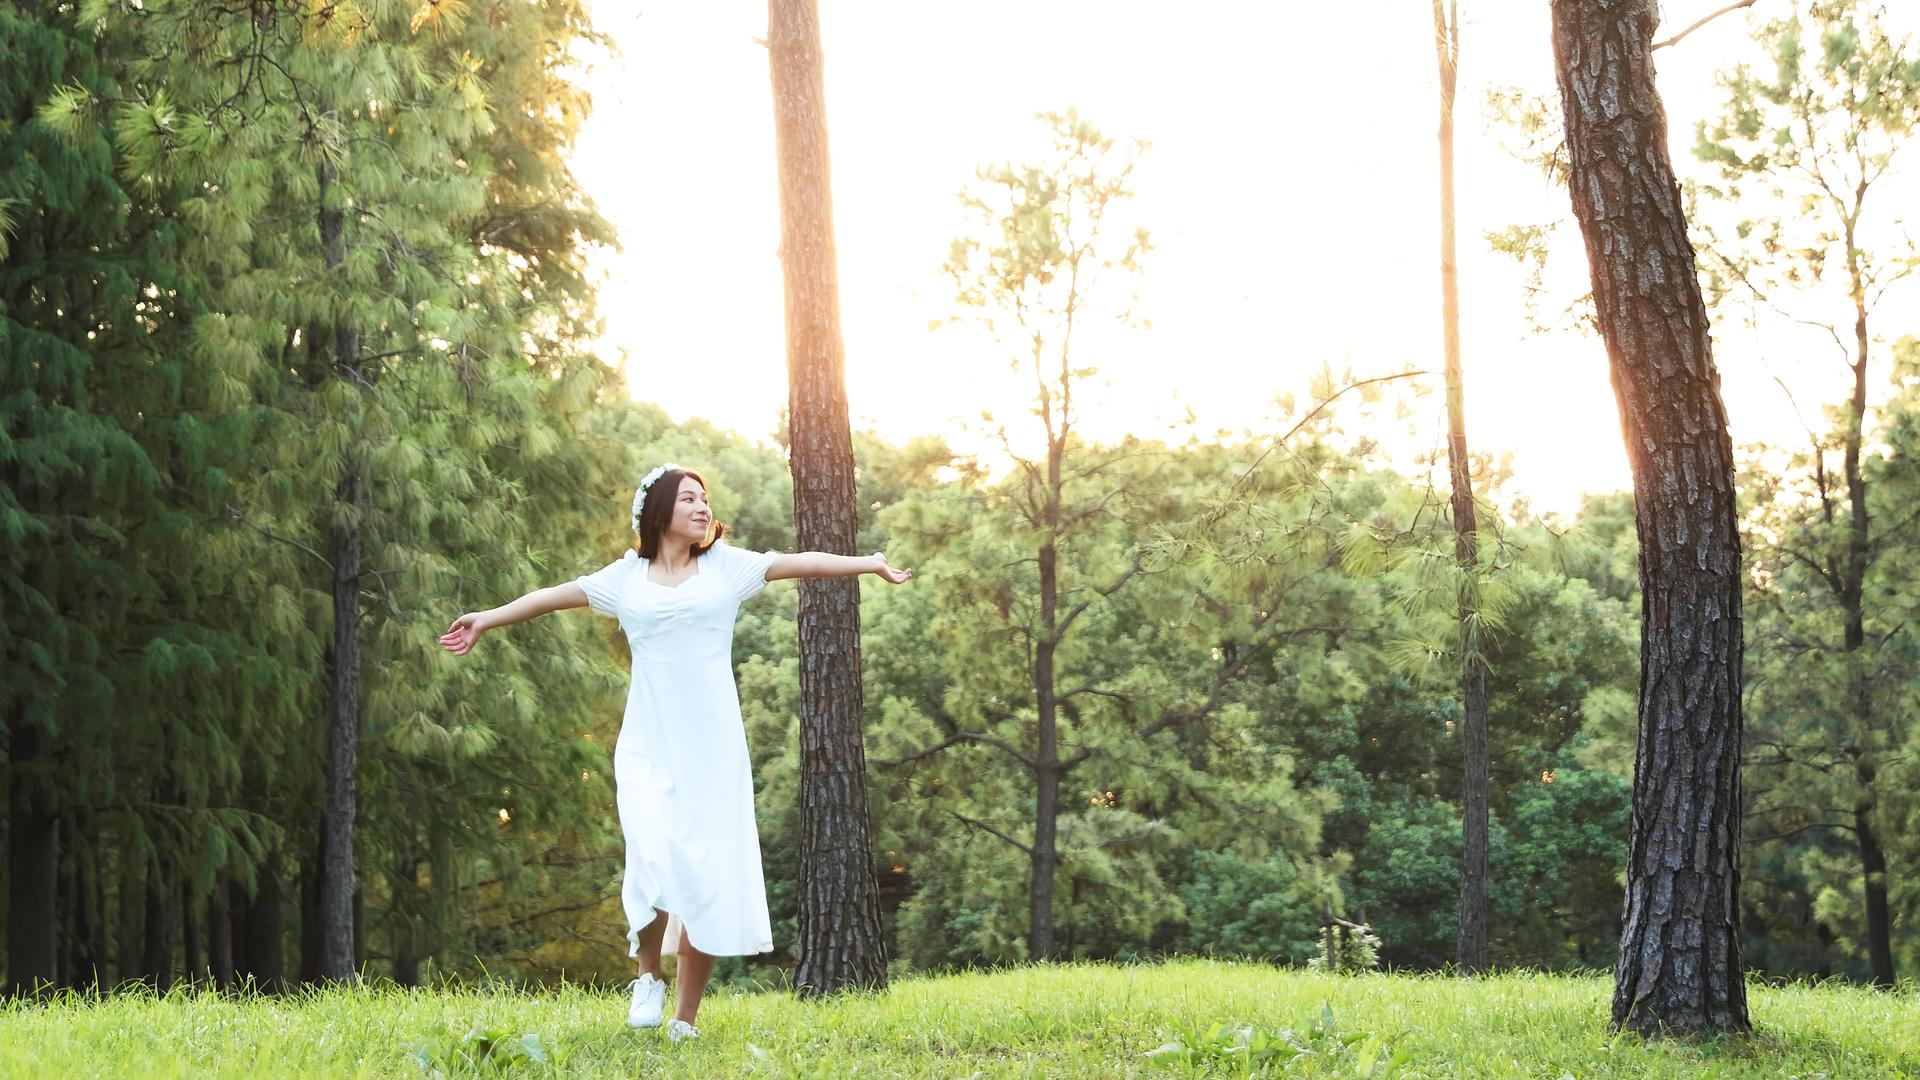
column 640, row 496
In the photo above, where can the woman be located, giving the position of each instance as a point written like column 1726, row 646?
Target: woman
column 681, row 774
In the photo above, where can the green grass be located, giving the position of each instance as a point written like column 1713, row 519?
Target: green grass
column 1078, row 1020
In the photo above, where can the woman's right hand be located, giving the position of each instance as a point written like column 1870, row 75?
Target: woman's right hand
column 465, row 631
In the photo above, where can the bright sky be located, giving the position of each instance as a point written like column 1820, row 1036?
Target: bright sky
column 1291, row 188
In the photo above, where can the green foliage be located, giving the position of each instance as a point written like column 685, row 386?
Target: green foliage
column 189, row 151
column 490, row 1052
column 1317, row 1044
column 1799, row 149
column 1262, row 910
column 1354, row 953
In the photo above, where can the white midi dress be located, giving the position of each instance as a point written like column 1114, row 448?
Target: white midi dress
column 682, row 778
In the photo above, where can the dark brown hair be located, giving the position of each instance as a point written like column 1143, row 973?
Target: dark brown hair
column 656, row 513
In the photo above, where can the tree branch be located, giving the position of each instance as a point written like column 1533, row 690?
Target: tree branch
column 234, row 514
column 955, row 739
column 1702, row 21
column 986, row 828
column 1060, row 631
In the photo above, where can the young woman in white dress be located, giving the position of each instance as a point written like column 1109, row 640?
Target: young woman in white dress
column 682, row 778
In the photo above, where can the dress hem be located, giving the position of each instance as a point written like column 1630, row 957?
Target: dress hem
column 633, row 940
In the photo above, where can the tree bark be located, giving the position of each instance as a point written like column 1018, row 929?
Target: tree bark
column 33, row 858
column 338, row 883
column 1471, row 947
column 841, row 945
column 1679, row 966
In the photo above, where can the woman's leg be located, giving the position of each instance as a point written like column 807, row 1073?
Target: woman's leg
column 650, row 937
column 691, row 976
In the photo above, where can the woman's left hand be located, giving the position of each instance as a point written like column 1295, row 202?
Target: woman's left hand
column 888, row 573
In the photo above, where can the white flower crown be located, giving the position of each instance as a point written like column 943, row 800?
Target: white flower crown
column 640, row 495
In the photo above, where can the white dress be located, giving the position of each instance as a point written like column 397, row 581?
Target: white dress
column 681, row 774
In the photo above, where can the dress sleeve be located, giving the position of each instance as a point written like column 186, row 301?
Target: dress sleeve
column 745, row 571
column 605, row 585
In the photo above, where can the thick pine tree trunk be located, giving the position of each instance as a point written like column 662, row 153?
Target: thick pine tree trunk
column 1471, row 952
column 33, row 857
column 841, row 944
column 1679, row 965
column 338, row 883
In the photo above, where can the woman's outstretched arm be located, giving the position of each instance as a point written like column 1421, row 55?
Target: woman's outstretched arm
column 818, row 564
column 466, row 630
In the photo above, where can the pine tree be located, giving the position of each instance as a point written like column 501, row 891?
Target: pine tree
column 840, row 943
column 1679, row 965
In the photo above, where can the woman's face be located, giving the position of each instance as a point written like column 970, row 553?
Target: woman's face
column 691, row 515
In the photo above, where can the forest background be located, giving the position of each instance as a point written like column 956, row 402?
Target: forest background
column 299, row 313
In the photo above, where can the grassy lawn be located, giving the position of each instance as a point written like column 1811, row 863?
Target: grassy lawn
column 1080, row 1020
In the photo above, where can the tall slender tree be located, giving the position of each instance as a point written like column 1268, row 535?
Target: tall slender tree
column 1822, row 131
column 841, row 944
column 1679, row 964
column 1472, row 947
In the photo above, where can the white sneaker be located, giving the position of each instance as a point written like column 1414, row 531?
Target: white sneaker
column 649, row 995
column 678, row 1029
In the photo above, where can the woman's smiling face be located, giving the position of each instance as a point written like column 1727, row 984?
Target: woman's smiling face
column 691, row 515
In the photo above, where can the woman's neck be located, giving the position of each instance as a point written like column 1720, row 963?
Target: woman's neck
column 675, row 556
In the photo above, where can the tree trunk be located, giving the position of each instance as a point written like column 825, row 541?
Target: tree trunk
column 337, row 960
column 237, row 922
column 1045, row 856
column 841, row 944
column 33, row 859
column 359, row 929
column 86, row 955
column 100, row 972
column 1471, row 951
column 219, row 935
column 406, row 958
column 196, row 965
column 312, row 930
column 1679, row 966
column 265, row 930
column 156, row 957
column 1873, row 872
column 1873, row 858
column 405, row 921
column 130, row 913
